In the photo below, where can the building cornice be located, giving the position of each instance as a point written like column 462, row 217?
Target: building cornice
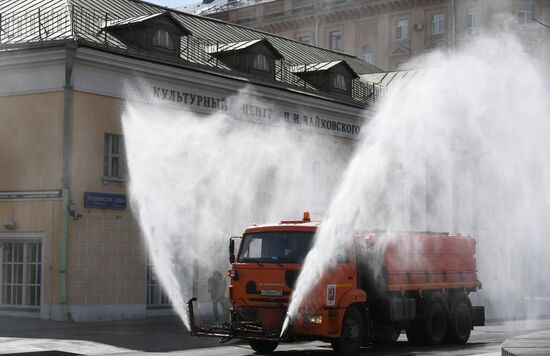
column 351, row 10
column 212, row 81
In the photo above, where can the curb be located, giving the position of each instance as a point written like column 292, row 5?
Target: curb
column 533, row 344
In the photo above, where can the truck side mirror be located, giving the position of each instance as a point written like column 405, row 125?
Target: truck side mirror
column 231, row 250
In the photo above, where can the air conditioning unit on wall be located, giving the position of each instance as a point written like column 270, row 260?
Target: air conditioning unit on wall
column 419, row 26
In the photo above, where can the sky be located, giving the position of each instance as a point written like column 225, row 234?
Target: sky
column 174, row 3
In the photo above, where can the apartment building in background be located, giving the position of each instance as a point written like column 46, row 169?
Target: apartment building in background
column 387, row 33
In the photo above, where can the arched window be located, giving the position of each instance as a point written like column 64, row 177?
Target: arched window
column 339, row 82
column 261, row 63
column 163, row 39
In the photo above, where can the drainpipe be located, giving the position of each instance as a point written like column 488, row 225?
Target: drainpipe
column 67, row 101
column 454, row 30
column 316, row 31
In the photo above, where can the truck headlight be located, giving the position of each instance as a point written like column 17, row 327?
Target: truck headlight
column 313, row 319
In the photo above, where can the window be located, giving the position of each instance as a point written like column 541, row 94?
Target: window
column 163, row 39
column 526, row 13
column 305, row 39
column 438, row 24
column 368, row 54
column 471, row 19
column 261, row 63
column 20, row 271
column 276, row 246
column 156, row 297
column 336, row 40
column 339, row 82
column 113, row 160
column 402, row 30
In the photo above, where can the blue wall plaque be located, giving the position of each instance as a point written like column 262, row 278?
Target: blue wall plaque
column 104, row 201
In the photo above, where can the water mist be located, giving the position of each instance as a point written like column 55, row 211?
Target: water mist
column 463, row 147
column 197, row 179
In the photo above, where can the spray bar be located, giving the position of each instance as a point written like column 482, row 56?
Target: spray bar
column 245, row 330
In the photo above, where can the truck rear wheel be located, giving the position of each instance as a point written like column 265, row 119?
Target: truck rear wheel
column 435, row 324
column 351, row 336
column 262, row 346
column 460, row 324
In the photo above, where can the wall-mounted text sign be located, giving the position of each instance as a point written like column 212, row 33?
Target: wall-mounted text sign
column 95, row 200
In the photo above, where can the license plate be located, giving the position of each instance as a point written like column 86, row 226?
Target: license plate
column 272, row 293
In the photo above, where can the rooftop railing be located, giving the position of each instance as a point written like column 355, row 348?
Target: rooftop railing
column 42, row 27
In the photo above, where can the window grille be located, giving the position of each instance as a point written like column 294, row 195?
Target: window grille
column 261, row 63
column 113, row 162
column 471, row 19
column 20, row 271
column 526, row 13
column 339, row 82
column 163, row 39
column 156, row 297
column 336, row 40
column 402, row 30
column 438, row 24
column 368, row 54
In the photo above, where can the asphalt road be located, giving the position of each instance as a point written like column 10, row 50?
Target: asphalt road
column 485, row 341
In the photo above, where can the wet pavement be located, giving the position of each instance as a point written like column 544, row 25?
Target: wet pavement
column 155, row 334
column 168, row 335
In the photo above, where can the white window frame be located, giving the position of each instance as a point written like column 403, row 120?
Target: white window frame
column 153, row 289
column 109, row 157
column 471, row 19
column 261, row 63
column 368, row 54
column 438, row 23
column 526, row 13
column 24, row 239
column 163, row 39
column 339, row 82
column 402, row 30
column 335, row 40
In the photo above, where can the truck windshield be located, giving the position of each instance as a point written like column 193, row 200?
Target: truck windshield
column 276, row 246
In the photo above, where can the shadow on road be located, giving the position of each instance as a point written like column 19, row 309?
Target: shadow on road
column 151, row 335
column 402, row 348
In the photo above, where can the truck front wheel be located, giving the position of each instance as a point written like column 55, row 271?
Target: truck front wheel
column 262, row 346
column 351, row 335
column 460, row 324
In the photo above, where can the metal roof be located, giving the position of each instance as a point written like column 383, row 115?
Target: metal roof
column 201, row 27
column 131, row 20
column 390, row 78
column 24, row 22
column 231, row 47
column 221, row 48
column 120, row 23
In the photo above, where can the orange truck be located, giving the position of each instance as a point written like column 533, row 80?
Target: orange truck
column 385, row 283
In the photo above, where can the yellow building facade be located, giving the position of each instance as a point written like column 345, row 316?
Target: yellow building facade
column 70, row 246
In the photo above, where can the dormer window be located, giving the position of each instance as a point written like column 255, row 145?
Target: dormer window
column 331, row 77
column 256, row 57
column 158, row 33
column 261, row 63
column 339, row 82
column 163, row 39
